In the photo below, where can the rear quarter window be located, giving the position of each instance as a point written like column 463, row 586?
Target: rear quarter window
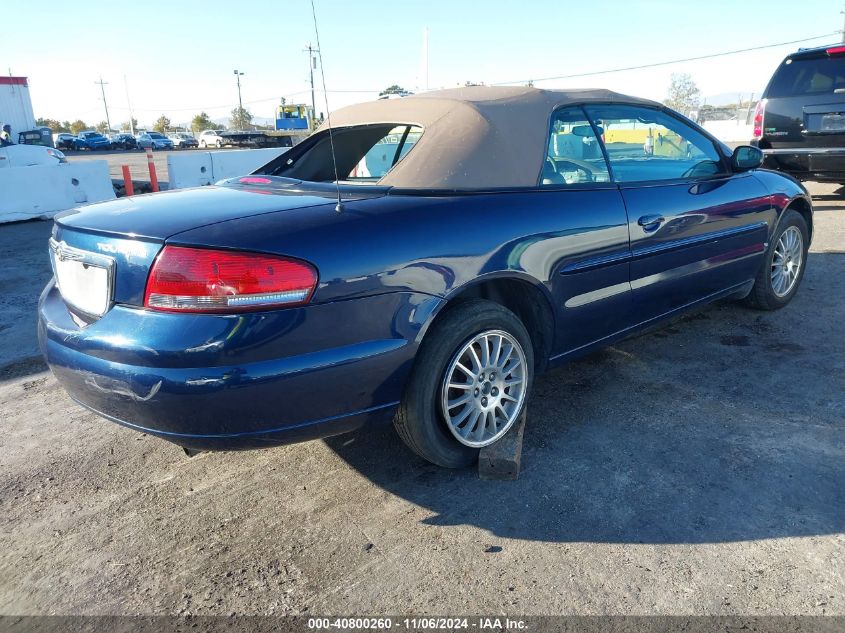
column 813, row 76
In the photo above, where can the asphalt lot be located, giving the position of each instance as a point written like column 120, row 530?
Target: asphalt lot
column 135, row 159
column 697, row 469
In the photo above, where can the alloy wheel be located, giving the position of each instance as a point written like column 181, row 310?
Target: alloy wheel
column 484, row 388
column 786, row 261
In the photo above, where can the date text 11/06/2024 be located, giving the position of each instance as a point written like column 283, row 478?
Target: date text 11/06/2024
column 416, row 624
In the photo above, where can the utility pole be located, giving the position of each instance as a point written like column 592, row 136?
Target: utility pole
column 843, row 28
column 131, row 117
column 105, row 105
column 312, row 64
column 240, row 103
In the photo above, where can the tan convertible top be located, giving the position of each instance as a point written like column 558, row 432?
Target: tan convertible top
column 475, row 137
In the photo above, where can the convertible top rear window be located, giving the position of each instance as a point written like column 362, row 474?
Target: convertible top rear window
column 364, row 153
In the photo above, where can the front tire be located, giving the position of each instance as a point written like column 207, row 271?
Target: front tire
column 783, row 268
column 469, row 385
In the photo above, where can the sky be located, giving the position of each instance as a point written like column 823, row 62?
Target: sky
column 178, row 57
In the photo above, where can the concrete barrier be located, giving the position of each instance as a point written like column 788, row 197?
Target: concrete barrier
column 42, row 191
column 195, row 169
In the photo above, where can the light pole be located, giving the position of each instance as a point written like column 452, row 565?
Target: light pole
column 240, row 104
column 131, row 118
column 312, row 64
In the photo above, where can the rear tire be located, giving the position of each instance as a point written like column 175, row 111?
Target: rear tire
column 784, row 264
column 420, row 419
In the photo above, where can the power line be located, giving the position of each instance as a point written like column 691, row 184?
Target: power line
column 666, row 63
column 256, row 101
column 504, row 83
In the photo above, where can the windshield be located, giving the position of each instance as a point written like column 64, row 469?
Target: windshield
column 364, row 153
column 155, row 135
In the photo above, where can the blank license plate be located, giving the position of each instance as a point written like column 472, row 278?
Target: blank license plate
column 86, row 287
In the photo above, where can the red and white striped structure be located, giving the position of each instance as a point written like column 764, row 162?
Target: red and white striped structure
column 15, row 105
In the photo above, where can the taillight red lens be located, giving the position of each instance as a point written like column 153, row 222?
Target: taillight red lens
column 205, row 280
column 759, row 113
column 836, row 50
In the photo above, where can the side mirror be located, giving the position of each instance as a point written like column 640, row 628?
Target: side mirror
column 746, row 157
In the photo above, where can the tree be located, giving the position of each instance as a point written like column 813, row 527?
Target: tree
column 102, row 127
column 78, row 126
column 162, row 124
column 684, row 95
column 201, row 122
column 53, row 124
column 126, row 126
column 393, row 90
column 241, row 119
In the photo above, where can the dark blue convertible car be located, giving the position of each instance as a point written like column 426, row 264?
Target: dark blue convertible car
column 418, row 262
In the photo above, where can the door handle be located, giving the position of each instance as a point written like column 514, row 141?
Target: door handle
column 651, row 222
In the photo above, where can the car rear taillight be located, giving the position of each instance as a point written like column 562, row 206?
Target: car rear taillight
column 759, row 113
column 836, row 50
column 205, row 280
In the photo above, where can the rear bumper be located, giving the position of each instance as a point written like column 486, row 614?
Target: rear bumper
column 818, row 164
column 222, row 383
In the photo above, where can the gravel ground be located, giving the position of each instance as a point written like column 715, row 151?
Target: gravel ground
column 697, row 469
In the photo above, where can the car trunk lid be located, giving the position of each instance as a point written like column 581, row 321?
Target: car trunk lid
column 107, row 249
column 157, row 217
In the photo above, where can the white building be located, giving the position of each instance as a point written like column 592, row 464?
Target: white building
column 15, row 105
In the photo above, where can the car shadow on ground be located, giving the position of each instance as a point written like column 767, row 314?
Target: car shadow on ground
column 726, row 425
column 836, row 196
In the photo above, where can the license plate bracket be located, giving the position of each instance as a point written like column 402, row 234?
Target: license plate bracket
column 85, row 279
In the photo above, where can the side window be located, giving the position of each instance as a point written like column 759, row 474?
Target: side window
column 385, row 153
column 644, row 144
column 574, row 155
column 364, row 153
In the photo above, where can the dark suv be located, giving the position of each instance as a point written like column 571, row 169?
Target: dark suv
column 800, row 121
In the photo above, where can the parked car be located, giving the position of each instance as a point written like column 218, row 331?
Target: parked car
column 183, row 140
column 64, row 140
column 39, row 136
column 428, row 285
column 211, row 138
column 800, row 121
column 91, row 141
column 154, row 140
column 254, row 139
column 124, row 141
column 29, row 156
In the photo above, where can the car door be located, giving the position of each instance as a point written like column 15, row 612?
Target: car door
column 586, row 246
column 696, row 228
